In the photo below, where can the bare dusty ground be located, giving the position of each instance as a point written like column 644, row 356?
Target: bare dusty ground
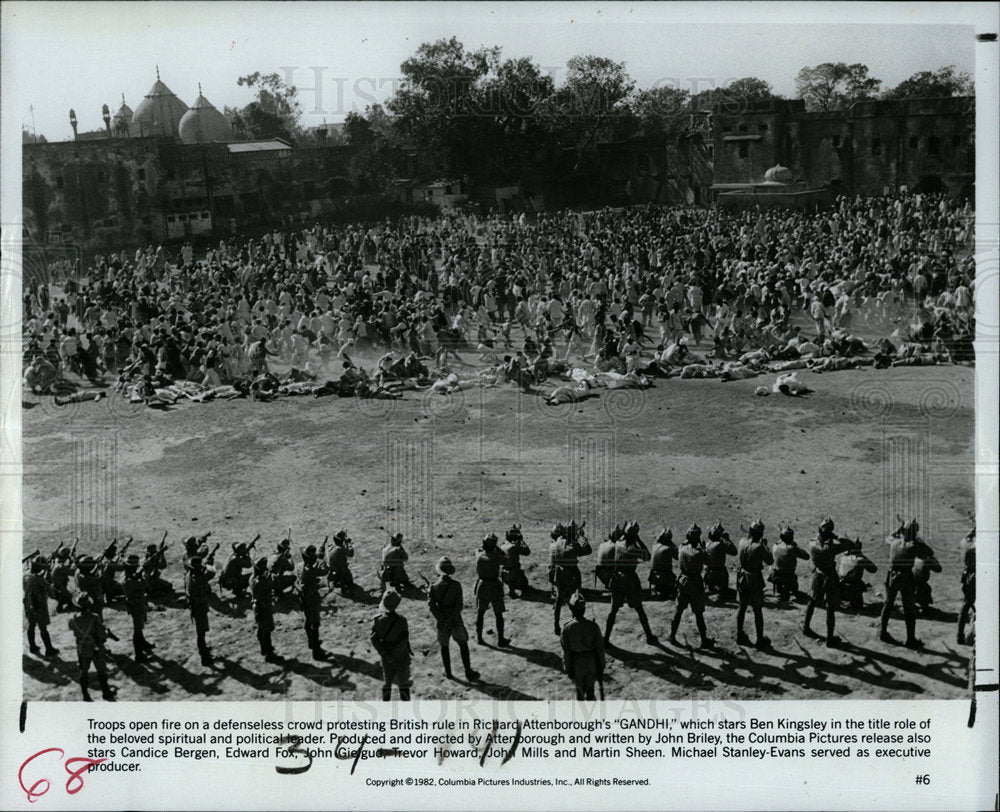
column 446, row 470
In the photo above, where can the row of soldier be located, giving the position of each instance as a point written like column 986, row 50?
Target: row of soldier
column 838, row 567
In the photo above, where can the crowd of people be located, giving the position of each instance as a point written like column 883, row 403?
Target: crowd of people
column 559, row 303
column 88, row 585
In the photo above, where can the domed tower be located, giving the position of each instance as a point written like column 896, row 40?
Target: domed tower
column 203, row 124
column 160, row 112
column 778, row 174
column 121, row 123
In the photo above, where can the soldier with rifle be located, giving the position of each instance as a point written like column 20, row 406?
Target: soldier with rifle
column 568, row 544
column 262, row 593
column 625, row 584
column 283, row 568
column 153, row 564
column 967, row 552
column 583, row 650
column 787, row 555
column 716, row 575
column 606, row 552
column 489, row 588
column 662, row 580
column 690, row 587
column 193, row 546
column 444, row 598
column 923, row 595
column 134, row 589
column 198, row 588
column 109, row 565
column 851, row 569
column 339, row 564
column 236, row 573
column 312, row 574
column 393, row 571
column 90, row 634
column 512, row 573
column 390, row 637
column 36, row 604
column 753, row 554
column 60, row 572
column 825, row 585
column 905, row 546
column 89, row 583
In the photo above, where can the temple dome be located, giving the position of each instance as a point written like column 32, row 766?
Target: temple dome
column 160, row 112
column 121, row 123
column 778, row 174
column 203, row 123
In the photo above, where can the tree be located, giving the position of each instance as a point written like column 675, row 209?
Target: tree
column 358, row 130
column 274, row 113
column 944, row 82
column 661, row 109
column 594, row 98
column 32, row 138
column 835, row 85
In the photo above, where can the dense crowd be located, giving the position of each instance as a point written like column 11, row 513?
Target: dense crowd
column 574, row 300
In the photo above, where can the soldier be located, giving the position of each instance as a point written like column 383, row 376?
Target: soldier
column 851, row 569
column 445, row 601
column 753, row 554
column 606, row 553
column 391, row 639
column 283, row 569
column 313, row 572
column 967, row 551
column 393, row 570
column 690, row 586
column 340, row 564
column 923, row 596
column 512, row 574
column 90, row 634
column 823, row 553
column 568, row 544
column 36, row 606
column 134, row 589
column 88, row 582
column 109, row 565
column 905, row 546
column 625, row 584
column 154, row 562
column 489, row 588
column 583, row 649
column 193, row 545
column 716, row 575
column 261, row 591
column 662, row 579
column 236, row 574
column 786, row 555
column 60, row 571
column 197, row 587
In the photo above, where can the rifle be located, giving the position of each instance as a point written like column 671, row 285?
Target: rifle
column 210, row 558
column 72, row 550
column 322, row 548
column 121, row 552
column 28, row 558
column 109, row 551
column 253, row 543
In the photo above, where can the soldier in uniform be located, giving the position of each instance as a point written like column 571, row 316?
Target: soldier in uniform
column 568, row 544
column 583, row 649
column 391, row 639
column 36, row 606
column 716, row 575
column 153, row 564
column 134, row 590
column 851, row 569
column 340, row 564
column 753, row 554
column 60, row 572
column 90, row 634
column 823, row 553
column 394, row 557
column 262, row 594
column 662, row 579
column 313, row 572
column 786, row 555
column 445, row 600
column 690, row 587
column 489, row 588
column 109, row 566
column 905, row 546
column 607, row 551
column 967, row 551
column 512, row 573
column 197, row 587
column 923, row 595
column 193, row 545
column 236, row 574
column 625, row 584
column 283, row 569
column 88, row 582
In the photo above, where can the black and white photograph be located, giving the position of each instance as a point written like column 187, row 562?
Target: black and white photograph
column 372, row 354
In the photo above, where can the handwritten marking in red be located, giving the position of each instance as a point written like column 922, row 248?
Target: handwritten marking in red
column 73, row 784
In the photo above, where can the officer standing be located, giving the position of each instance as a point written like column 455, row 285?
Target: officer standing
column 489, row 588
column 36, row 606
column 583, row 649
column 906, row 545
column 445, row 601
column 753, row 554
column 90, row 636
column 390, row 637
column 690, row 587
column 568, row 544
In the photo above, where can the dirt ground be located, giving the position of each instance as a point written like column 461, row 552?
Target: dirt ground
column 447, row 469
